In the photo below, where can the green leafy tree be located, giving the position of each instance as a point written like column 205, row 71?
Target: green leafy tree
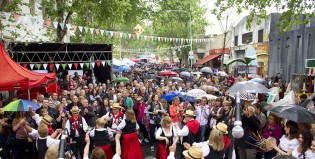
column 292, row 10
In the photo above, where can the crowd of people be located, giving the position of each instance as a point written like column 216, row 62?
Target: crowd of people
column 116, row 120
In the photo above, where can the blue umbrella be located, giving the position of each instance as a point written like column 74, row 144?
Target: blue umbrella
column 185, row 97
column 184, row 73
column 114, row 70
column 124, row 68
column 169, row 96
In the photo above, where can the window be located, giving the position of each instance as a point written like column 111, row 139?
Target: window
column 32, row 7
column 247, row 38
column 298, row 42
column 236, row 41
column 261, row 36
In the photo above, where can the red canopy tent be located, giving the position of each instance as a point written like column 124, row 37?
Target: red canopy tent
column 134, row 59
column 15, row 77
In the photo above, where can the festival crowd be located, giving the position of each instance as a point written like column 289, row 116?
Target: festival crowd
column 117, row 120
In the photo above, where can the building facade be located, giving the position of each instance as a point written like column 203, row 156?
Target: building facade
column 250, row 42
column 288, row 51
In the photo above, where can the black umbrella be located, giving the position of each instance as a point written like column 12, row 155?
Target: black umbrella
column 149, row 76
column 246, row 87
column 175, row 68
column 308, row 101
column 295, row 113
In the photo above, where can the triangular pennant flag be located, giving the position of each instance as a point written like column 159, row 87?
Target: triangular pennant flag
column 97, row 31
column 7, row 15
column 70, row 65
column 92, row 30
column 25, row 65
column 45, row 65
column 38, row 66
column 92, row 64
column 16, row 16
column 64, row 66
column 68, row 26
column 145, row 38
column 129, row 36
column 102, row 32
column 116, row 34
column 55, row 24
column 86, row 29
column 57, row 66
column 87, row 65
column 111, row 34
column 62, row 25
column 108, row 62
column 32, row 66
column 138, row 36
column 76, row 65
column 81, row 65
column 74, row 28
column 103, row 63
column 51, row 67
column 106, row 33
column 80, row 28
column 121, row 34
column 40, row 21
column 48, row 22
column 32, row 20
column 98, row 63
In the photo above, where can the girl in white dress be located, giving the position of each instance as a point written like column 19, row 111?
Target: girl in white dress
column 288, row 141
column 303, row 151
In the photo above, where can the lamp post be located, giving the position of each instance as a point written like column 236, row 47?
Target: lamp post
column 190, row 52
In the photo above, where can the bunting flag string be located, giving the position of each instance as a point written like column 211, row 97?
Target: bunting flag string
column 45, row 66
column 32, row 66
column 116, row 34
column 81, row 65
column 57, row 66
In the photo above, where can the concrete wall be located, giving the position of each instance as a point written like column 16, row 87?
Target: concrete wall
column 287, row 52
column 218, row 41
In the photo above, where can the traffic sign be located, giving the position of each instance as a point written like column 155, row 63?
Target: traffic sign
column 138, row 29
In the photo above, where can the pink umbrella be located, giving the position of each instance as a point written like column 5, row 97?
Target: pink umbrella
column 168, row 73
column 134, row 59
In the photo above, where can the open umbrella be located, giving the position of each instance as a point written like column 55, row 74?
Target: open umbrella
column 175, row 68
column 245, row 87
column 253, row 76
column 120, row 79
column 168, row 73
column 178, row 79
column 206, row 70
column 184, row 73
column 20, row 105
column 207, row 88
column 149, row 76
column 169, row 96
column 183, row 96
column 222, row 74
column 259, row 80
column 124, row 68
column 196, row 92
column 209, row 96
column 246, row 96
column 309, row 101
column 295, row 113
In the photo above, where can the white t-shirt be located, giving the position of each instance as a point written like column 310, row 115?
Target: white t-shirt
column 307, row 155
column 286, row 144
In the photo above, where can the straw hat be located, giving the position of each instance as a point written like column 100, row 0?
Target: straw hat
column 193, row 152
column 222, row 127
column 47, row 119
column 75, row 109
column 116, row 105
column 189, row 113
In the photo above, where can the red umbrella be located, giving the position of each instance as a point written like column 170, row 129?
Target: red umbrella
column 168, row 73
column 134, row 59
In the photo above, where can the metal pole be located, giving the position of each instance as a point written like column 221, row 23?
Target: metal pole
column 190, row 40
column 29, row 94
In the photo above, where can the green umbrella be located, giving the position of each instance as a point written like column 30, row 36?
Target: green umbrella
column 120, row 79
column 20, row 105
